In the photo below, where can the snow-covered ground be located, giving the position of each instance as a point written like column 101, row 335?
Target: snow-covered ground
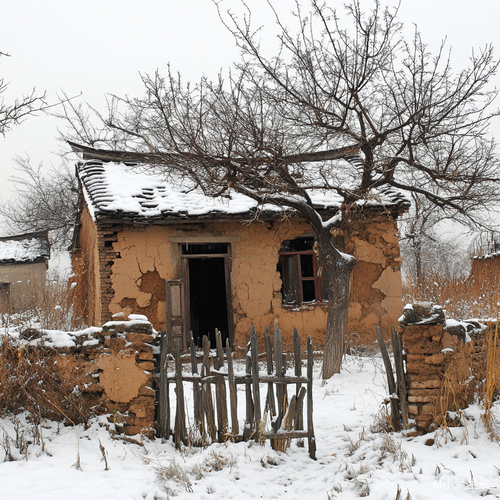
column 354, row 459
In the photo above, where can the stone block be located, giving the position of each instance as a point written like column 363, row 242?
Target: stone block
column 435, row 359
column 426, row 384
column 146, row 391
column 421, row 399
column 140, row 337
column 424, row 392
column 146, row 365
column 413, row 409
column 427, row 409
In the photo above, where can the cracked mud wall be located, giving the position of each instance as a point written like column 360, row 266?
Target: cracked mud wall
column 86, row 269
column 146, row 256
column 376, row 280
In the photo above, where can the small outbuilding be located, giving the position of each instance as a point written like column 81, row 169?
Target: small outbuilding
column 158, row 246
column 23, row 265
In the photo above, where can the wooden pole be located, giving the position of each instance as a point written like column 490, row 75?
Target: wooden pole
column 248, row 430
column 390, row 381
column 164, row 403
column 270, row 403
column 233, row 394
column 397, row 347
column 180, row 414
column 255, row 380
column 220, row 390
column 207, row 391
column 310, row 427
column 299, row 416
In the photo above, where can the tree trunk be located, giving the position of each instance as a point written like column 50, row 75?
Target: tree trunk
column 337, row 268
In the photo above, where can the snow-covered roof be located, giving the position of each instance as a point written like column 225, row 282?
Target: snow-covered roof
column 118, row 190
column 24, row 248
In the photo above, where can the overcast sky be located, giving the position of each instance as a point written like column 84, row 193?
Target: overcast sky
column 98, row 47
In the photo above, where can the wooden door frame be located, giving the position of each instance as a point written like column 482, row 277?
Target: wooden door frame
column 227, row 277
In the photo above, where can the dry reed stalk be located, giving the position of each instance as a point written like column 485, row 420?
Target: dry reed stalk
column 463, row 297
column 490, row 380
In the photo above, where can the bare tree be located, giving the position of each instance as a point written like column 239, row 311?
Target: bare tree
column 425, row 249
column 348, row 109
column 45, row 200
column 14, row 113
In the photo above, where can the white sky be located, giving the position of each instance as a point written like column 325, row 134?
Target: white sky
column 98, row 47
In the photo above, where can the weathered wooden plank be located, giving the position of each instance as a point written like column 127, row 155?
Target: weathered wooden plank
column 248, row 430
column 280, row 392
column 290, row 414
column 397, row 347
column 310, row 426
column 164, row 403
column 390, row 381
column 233, row 394
column 207, row 392
column 220, row 391
column 270, row 402
column 199, row 421
column 243, row 380
column 180, row 414
column 254, row 355
column 297, row 353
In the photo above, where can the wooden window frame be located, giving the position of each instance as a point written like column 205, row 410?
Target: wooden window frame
column 299, row 299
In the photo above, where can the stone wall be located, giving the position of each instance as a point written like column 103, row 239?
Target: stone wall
column 114, row 366
column 444, row 363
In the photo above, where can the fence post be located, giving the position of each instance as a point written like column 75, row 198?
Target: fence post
column 207, row 391
column 397, row 347
column 233, row 394
column 164, row 402
column 220, row 390
column 390, row 381
column 180, row 414
column 310, row 427
column 255, row 380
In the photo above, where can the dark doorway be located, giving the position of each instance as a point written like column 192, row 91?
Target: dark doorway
column 208, row 299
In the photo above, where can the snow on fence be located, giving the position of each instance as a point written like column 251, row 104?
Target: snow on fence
column 287, row 421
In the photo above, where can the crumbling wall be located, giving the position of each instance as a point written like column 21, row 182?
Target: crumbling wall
column 444, row 363
column 114, row 367
column 86, row 283
column 376, row 279
column 135, row 261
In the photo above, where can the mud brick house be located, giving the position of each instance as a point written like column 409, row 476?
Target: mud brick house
column 160, row 248
column 23, row 263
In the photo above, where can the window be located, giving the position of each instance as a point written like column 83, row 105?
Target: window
column 299, row 270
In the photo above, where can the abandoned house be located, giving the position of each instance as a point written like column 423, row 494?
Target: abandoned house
column 192, row 263
column 23, row 263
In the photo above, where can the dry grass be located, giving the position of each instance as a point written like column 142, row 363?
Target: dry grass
column 28, row 383
column 462, row 297
column 46, row 306
column 491, row 379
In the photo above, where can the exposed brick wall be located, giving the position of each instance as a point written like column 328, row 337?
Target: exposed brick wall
column 107, row 236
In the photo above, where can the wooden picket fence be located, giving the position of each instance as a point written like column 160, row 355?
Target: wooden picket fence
column 397, row 387
column 211, row 423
